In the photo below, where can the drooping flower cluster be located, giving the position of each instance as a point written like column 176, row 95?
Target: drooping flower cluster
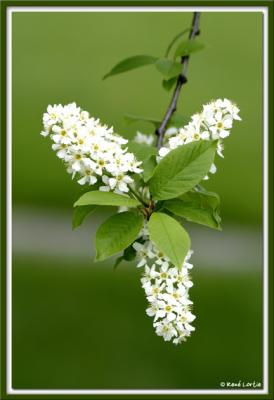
column 213, row 123
column 93, row 153
column 166, row 289
column 90, row 150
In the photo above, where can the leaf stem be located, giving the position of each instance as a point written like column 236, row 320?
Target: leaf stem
column 138, row 197
column 175, row 40
column 160, row 132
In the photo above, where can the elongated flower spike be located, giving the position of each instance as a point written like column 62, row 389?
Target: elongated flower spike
column 213, row 123
column 90, row 150
column 166, row 289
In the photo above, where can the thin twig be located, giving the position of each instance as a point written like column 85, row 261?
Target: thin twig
column 180, row 82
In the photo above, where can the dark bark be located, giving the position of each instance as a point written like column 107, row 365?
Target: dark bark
column 182, row 79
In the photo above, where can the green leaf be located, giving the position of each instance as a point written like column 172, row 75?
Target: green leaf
column 169, row 236
column 212, row 199
column 187, row 47
column 129, row 119
column 174, row 40
column 128, row 255
column 168, row 68
column 117, row 233
column 141, row 151
column 169, row 83
column 106, row 199
column 199, row 207
column 148, row 166
column 131, row 63
column 181, row 169
column 178, row 120
column 80, row 213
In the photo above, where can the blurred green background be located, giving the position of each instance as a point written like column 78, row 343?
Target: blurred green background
column 78, row 325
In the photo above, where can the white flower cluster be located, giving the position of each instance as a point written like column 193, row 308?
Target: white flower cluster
column 89, row 149
column 166, row 289
column 213, row 123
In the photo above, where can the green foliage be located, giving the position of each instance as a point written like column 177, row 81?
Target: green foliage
column 182, row 169
column 141, row 151
column 106, row 199
column 117, row 233
column 174, row 40
column 172, row 182
column 187, row 47
column 148, row 166
column 213, row 199
column 80, row 213
column 168, row 68
column 169, row 83
column 131, row 63
column 129, row 119
column 177, row 120
column 201, row 207
column 129, row 254
column 169, row 236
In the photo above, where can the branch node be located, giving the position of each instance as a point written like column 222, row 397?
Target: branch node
column 182, row 79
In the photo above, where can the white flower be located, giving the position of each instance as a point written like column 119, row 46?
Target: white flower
column 61, row 150
column 220, row 125
column 172, row 131
column 164, row 273
column 52, row 116
column 153, row 290
column 164, row 151
column 180, row 139
column 167, row 308
column 120, row 182
column 177, row 292
column 87, row 176
column 142, row 138
column 166, row 329
column 213, row 169
column 144, row 252
column 194, row 131
column 75, row 158
column 152, row 309
column 161, row 259
column 184, row 278
column 233, row 110
column 133, row 164
column 61, row 135
column 144, row 233
column 182, row 337
column 148, row 275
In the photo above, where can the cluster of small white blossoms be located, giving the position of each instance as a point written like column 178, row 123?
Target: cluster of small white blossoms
column 90, row 150
column 166, row 289
column 213, row 123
